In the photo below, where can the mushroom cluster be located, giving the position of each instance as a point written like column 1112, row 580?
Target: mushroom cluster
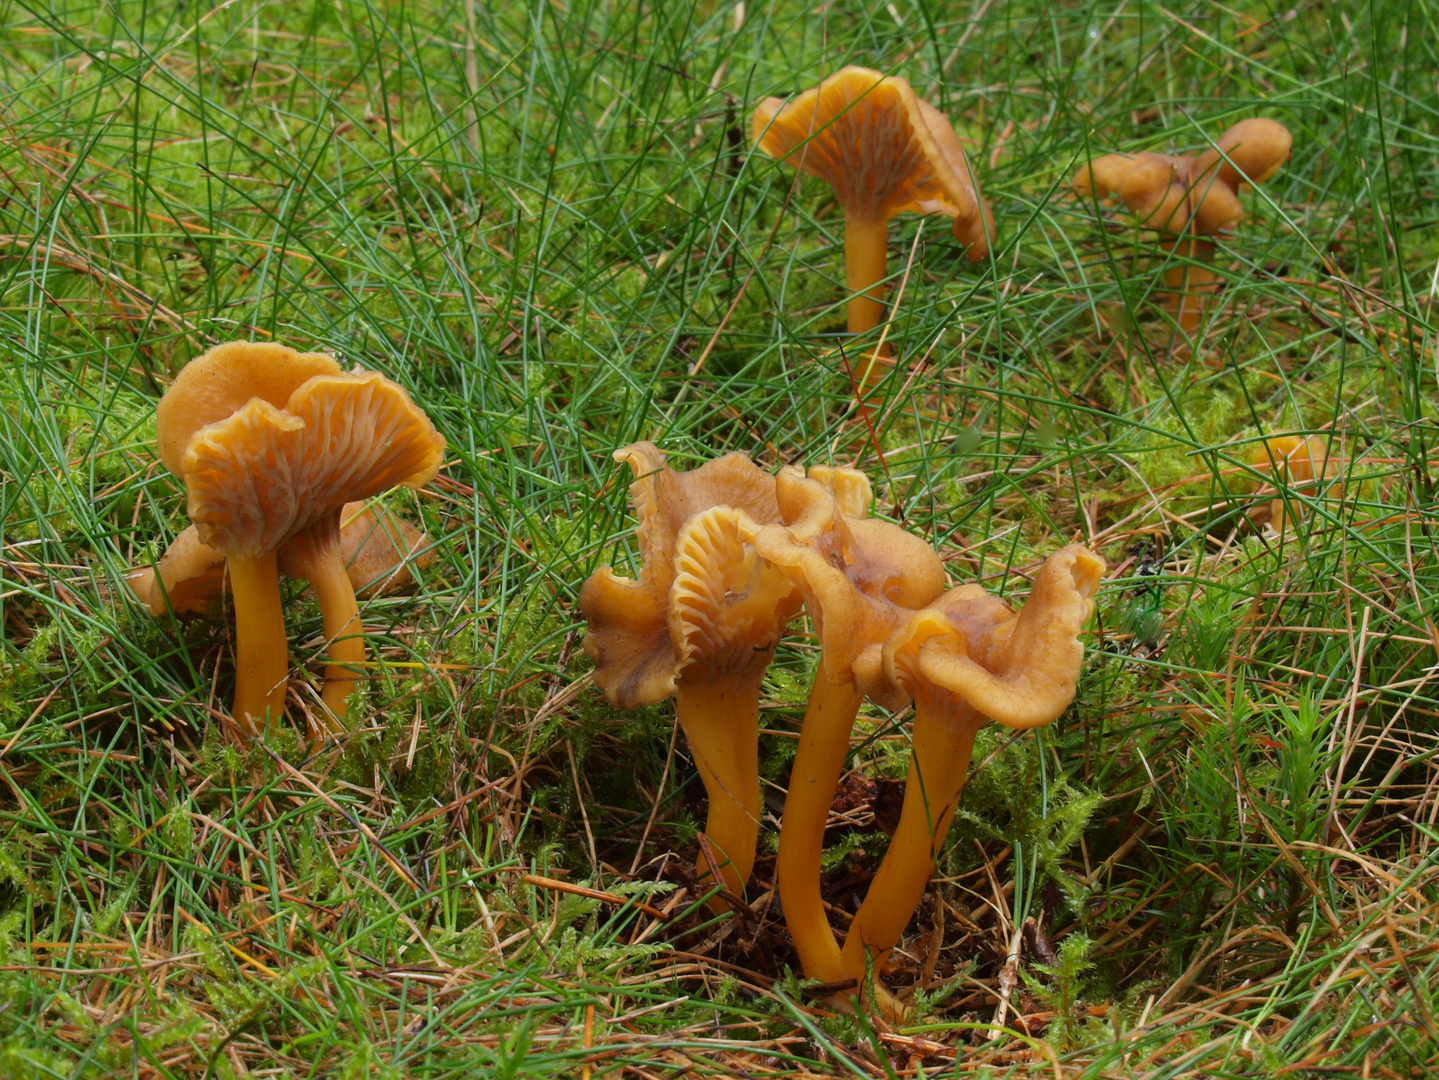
column 271, row 445
column 1189, row 199
column 730, row 555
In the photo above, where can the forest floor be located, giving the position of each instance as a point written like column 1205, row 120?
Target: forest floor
column 549, row 224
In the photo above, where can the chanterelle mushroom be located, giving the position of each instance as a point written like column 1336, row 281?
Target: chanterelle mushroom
column 379, row 550
column 701, row 623
column 883, row 151
column 965, row 660
column 1296, row 463
column 271, row 444
column 1190, row 198
column 859, row 578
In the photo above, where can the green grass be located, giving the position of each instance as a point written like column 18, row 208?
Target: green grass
column 547, row 222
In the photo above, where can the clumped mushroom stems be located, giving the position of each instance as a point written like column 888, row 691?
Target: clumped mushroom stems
column 700, row 623
column 883, row 151
column 271, row 443
column 380, row 550
column 966, row 660
column 1189, row 199
column 859, row 578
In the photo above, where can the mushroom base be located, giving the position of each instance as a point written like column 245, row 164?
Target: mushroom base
column 818, row 763
column 1190, row 284
column 942, row 741
column 721, row 723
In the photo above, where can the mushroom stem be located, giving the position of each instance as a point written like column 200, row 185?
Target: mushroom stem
column 823, row 745
column 262, row 662
column 942, row 741
column 343, row 632
column 865, row 267
column 1189, row 283
column 721, row 722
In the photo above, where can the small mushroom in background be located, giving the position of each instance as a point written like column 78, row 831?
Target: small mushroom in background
column 884, row 152
column 1296, row 463
column 965, row 660
column 379, row 551
column 860, row 578
column 270, row 444
column 701, row 623
column 1190, row 198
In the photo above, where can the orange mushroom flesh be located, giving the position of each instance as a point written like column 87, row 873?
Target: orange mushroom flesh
column 700, row 622
column 1294, row 462
column 380, row 551
column 859, row 577
column 883, row 151
column 1189, row 199
column 966, row 660
column 271, row 443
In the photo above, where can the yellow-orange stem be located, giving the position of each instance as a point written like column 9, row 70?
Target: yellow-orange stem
column 865, row 268
column 343, row 632
column 721, row 722
column 823, row 744
column 262, row 661
column 942, row 740
column 1189, row 284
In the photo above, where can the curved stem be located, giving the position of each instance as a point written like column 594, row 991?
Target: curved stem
column 823, row 745
column 343, row 632
column 721, row 722
column 938, row 766
column 262, row 661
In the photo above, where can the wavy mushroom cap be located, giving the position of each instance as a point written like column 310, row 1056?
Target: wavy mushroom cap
column 638, row 644
column 1296, row 462
column 381, row 550
column 1175, row 194
column 971, row 654
column 188, row 579
column 858, row 576
column 880, row 148
column 220, row 382
column 264, row 473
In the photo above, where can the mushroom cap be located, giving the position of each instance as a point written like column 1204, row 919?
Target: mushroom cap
column 219, row 383
column 882, row 150
column 858, row 576
column 969, row 653
column 637, row 638
column 379, row 549
column 264, row 473
column 1296, row 462
column 190, row 573
column 1199, row 194
column 1257, row 148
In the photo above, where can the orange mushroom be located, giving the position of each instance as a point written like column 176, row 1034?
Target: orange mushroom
column 1297, row 463
column 1190, row 198
column 883, row 151
column 859, row 578
column 700, row 622
column 965, row 660
column 271, row 444
column 379, row 550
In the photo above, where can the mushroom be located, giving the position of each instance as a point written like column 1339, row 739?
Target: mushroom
column 271, row 444
column 1190, row 198
column 700, row 622
column 966, row 660
column 883, row 151
column 379, row 549
column 1296, row 463
column 859, row 578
